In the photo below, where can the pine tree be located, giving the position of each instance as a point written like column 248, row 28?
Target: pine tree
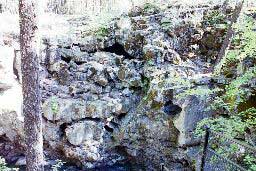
column 30, row 84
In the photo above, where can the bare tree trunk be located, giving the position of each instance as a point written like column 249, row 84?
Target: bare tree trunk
column 30, row 84
column 230, row 33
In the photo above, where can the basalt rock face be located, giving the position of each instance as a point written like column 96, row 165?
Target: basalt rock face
column 112, row 98
column 83, row 101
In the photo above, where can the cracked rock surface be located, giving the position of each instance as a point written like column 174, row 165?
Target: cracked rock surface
column 104, row 99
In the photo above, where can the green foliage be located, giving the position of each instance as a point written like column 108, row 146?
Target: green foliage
column 102, row 31
column 250, row 161
column 235, row 93
column 219, row 103
column 54, row 106
column 150, row 8
column 249, row 117
column 230, row 120
column 58, row 165
column 243, row 46
column 150, row 62
column 178, row 82
column 145, row 84
column 166, row 23
column 230, row 127
column 214, row 17
column 247, row 37
column 199, row 92
column 3, row 166
column 232, row 56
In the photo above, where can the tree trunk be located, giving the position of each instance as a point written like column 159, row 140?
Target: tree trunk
column 30, row 84
column 229, row 35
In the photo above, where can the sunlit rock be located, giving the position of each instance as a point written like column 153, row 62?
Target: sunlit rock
column 80, row 133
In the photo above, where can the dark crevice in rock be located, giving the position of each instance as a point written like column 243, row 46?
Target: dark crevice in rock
column 75, row 44
column 64, row 46
column 109, row 129
column 183, row 162
column 15, row 66
column 146, row 82
column 171, row 109
column 63, row 128
column 115, row 124
column 136, row 89
column 123, row 152
column 79, row 63
column 121, row 116
column 64, row 125
column 87, row 119
column 91, row 119
column 53, row 122
column 68, row 60
column 118, row 49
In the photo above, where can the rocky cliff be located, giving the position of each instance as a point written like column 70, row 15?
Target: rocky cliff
column 114, row 95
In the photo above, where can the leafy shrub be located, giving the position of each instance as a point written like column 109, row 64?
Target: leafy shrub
column 3, row 166
column 102, row 31
column 251, row 162
column 242, row 46
column 230, row 127
column 249, row 116
column 58, row 165
column 166, row 23
column 150, row 8
column 230, row 121
column 214, row 17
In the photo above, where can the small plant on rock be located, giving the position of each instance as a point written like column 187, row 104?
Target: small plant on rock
column 58, row 165
column 3, row 166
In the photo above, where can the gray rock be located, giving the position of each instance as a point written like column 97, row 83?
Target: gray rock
column 63, row 110
column 21, row 161
column 102, row 81
column 96, row 103
column 135, row 11
column 79, row 133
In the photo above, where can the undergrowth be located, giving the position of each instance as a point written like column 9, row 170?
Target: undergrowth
column 229, row 120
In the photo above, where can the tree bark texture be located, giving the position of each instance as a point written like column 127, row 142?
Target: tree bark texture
column 30, row 85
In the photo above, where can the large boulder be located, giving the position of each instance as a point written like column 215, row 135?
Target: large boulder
column 63, row 110
column 150, row 140
column 81, row 132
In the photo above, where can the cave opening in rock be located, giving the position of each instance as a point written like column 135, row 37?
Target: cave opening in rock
column 118, row 49
column 63, row 128
column 109, row 129
column 171, row 109
column 121, row 116
column 79, row 63
column 67, row 60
